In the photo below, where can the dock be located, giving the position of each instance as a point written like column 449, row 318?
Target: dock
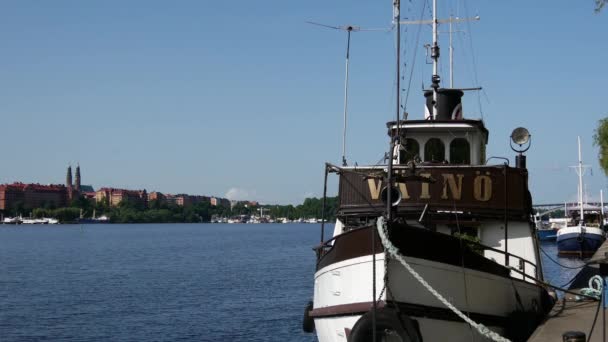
column 572, row 313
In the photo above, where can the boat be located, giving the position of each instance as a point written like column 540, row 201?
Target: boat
column 586, row 235
column 436, row 244
column 93, row 219
column 12, row 220
column 547, row 230
column 43, row 220
column 547, row 233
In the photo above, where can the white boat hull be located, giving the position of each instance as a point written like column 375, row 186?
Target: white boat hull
column 488, row 297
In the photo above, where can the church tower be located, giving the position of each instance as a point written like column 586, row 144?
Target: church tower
column 77, row 184
column 68, row 183
column 68, row 178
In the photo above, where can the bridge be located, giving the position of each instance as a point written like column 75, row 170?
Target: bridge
column 545, row 209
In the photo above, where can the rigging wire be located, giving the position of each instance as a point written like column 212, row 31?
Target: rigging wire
column 474, row 60
column 409, row 85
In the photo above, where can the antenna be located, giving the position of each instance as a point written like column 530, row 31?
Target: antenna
column 348, row 29
column 435, row 48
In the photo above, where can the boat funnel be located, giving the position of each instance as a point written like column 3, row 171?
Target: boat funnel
column 449, row 104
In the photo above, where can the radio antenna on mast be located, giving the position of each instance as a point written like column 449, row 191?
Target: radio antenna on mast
column 435, row 80
column 348, row 29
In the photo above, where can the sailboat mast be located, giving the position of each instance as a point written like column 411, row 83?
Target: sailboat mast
column 580, row 179
column 602, row 203
column 435, row 57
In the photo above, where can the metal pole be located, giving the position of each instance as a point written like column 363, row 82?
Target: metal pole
column 506, row 218
column 435, row 55
column 324, row 204
column 451, row 56
column 580, row 180
column 349, row 30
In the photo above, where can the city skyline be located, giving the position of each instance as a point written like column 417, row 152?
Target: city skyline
column 246, row 99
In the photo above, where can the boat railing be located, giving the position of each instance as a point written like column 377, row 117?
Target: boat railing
column 325, row 246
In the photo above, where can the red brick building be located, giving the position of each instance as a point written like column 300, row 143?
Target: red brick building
column 29, row 196
column 113, row 196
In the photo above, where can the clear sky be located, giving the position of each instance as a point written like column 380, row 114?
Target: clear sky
column 244, row 98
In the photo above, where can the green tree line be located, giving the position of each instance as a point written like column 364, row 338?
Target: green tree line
column 162, row 212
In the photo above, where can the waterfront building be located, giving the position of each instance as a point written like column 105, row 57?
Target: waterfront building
column 223, row 202
column 113, row 197
column 29, row 196
column 156, row 196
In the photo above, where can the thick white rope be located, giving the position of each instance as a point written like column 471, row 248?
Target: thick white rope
column 394, row 252
column 596, row 284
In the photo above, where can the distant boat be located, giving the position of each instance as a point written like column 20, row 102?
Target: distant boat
column 583, row 238
column 92, row 220
column 547, row 231
column 11, row 220
column 44, row 220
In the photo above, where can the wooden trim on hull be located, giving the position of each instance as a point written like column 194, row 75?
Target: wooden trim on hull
column 411, row 242
column 352, row 244
column 345, row 309
column 412, row 310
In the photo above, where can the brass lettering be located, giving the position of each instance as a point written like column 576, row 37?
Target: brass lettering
column 424, row 192
column 482, row 187
column 374, row 190
column 403, row 189
column 455, row 189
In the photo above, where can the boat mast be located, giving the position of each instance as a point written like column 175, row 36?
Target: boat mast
column 451, row 56
column 435, row 56
column 580, row 180
column 602, row 205
column 349, row 29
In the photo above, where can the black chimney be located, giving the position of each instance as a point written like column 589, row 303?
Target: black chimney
column 449, row 105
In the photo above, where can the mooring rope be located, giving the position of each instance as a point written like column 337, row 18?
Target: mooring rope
column 595, row 289
column 482, row 329
column 559, row 264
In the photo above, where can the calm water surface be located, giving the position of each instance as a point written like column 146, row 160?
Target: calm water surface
column 190, row 282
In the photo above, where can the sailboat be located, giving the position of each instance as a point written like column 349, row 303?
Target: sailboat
column 582, row 238
column 435, row 244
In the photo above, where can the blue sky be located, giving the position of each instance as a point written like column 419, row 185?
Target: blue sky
column 244, row 98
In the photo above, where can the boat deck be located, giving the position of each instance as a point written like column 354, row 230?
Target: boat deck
column 573, row 314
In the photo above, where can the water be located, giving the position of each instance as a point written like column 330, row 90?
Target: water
column 199, row 282
column 190, row 282
column 556, row 274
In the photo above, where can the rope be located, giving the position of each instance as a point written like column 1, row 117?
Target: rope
column 557, row 263
column 595, row 287
column 597, row 310
column 482, row 329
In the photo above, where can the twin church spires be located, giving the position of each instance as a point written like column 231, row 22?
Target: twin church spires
column 68, row 181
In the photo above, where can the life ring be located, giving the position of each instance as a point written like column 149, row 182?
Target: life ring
column 388, row 322
column 308, row 323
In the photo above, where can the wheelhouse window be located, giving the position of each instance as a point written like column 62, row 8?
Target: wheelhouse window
column 460, row 151
column 412, row 150
column 434, row 150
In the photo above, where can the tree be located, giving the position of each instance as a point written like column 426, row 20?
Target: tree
column 600, row 139
column 599, row 4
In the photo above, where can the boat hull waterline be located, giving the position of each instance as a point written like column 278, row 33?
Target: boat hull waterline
column 579, row 240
